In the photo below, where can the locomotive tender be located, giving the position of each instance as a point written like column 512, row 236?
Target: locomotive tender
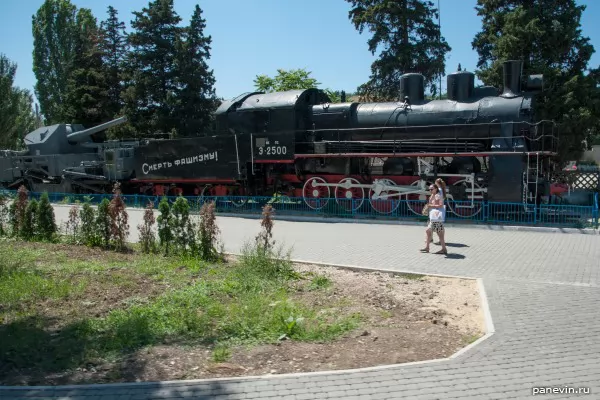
column 297, row 143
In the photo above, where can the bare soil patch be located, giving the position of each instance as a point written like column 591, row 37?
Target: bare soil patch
column 403, row 318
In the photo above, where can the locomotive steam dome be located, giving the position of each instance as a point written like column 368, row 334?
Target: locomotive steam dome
column 460, row 85
column 412, row 86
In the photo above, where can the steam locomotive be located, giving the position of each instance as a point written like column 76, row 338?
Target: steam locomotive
column 483, row 143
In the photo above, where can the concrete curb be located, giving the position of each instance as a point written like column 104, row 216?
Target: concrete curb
column 490, row 331
column 449, row 224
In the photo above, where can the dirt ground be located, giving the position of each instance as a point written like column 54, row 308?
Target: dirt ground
column 405, row 319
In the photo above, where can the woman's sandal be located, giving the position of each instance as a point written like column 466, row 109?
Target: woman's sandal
column 441, row 252
column 424, row 250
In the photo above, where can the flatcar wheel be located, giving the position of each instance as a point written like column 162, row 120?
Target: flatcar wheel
column 464, row 208
column 387, row 204
column 350, row 198
column 416, row 202
column 316, row 197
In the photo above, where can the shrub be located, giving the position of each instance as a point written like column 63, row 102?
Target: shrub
column 263, row 258
column 263, row 239
column 17, row 210
column 208, row 233
column 45, row 219
column 73, row 225
column 29, row 227
column 103, row 223
column 119, row 228
column 90, row 234
column 147, row 238
column 4, row 214
column 182, row 227
column 165, row 234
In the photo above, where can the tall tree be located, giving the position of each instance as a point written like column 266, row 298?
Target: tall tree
column 88, row 91
column 16, row 107
column 114, row 52
column 410, row 40
column 54, row 36
column 151, row 100
column 546, row 36
column 197, row 98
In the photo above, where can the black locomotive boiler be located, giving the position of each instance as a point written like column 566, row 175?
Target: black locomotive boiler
column 484, row 143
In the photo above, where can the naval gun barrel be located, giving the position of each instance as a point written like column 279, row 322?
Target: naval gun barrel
column 81, row 136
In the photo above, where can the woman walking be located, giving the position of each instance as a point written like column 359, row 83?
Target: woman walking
column 437, row 216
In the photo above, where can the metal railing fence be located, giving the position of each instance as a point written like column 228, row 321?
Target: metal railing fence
column 496, row 213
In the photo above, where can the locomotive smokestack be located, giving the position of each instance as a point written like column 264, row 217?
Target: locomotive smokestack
column 513, row 70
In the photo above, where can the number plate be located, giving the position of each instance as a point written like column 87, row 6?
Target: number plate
column 274, row 147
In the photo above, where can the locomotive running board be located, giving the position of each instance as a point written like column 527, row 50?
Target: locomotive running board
column 392, row 155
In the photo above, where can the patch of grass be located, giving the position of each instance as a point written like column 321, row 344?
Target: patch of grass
column 319, row 282
column 221, row 353
column 468, row 339
column 415, row 277
column 248, row 302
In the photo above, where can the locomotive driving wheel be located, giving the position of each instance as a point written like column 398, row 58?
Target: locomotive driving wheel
column 316, row 197
column 238, row 195
column 387, row 200
column 349, row 196
column 472, row 205
column 416, row 202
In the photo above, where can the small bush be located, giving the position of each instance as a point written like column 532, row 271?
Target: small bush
column 73, row 225
column 146, row 230
column 208, row 233
column 165, row 234
column 182, row 227
column 29, row 229
column 90, row 234
column 103, row 223
column 17, row 211
column 45, row 219
column 263, row 258
column 4, row 214
column 119, row 227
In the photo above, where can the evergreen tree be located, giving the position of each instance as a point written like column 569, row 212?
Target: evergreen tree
column 410, row 40
column 152, row 98
column 46, row 222
column 546, row 36
column 114, row 52
column 88, row 91
column 197, row 99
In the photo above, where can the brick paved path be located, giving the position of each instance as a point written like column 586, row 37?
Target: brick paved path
column 544, row 295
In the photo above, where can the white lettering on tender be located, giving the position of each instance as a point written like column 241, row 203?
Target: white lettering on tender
column 147, row 168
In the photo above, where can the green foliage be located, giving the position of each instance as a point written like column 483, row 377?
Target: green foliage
column 114, row 48
column 165, row 232
column 103, row 223
column 409, row 39
column 29, row 229
column 183, row 230
column 285, row 80
column 17, row 211
column 4, row 214
column 119, row 226
column 197, row 100
column 146, row 230
column 16, row 108
column 91, row 227
column 550, row 43
column 46, row 222
column 208, row 233
column 55, row 33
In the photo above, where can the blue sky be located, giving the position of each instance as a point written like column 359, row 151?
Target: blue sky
column 252, row 37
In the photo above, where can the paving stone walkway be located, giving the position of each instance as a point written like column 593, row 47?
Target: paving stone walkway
column 544, row 295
